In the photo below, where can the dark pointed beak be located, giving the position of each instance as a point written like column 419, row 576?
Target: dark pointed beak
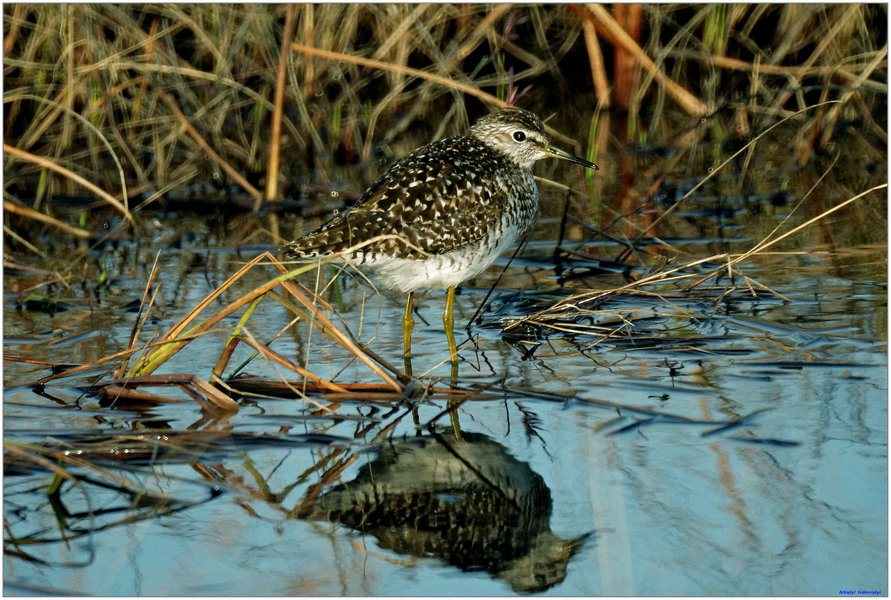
column 558, row 153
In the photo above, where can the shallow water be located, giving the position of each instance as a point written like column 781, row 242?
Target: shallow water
column 729, row 440
column 734, row 447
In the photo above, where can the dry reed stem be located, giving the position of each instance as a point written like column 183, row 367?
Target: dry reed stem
column 378, row 64
column 15, row 24
column 193, row 133
column 764, row 244
column 329, row 410
column 822, row 44
column 277, row 358
column 327, row 385
column 273, row 388
column 390, row 35
column 52, row 166
column 13, row 208
column 852, row 72
column 835, row 111
column 275, row 129
column 190, row 73
column 34, row 361
column 10, row 97
column 614, row 32
column 232, row 342
column 31, row 247
column 663, row 276
column 308, row 88
column 328, row 328
column 171, row 343
column 398, row 32
column 758, row 247
column 477, row 35
column 598, row 69
column 39, row 127
column 715, row 171
column 660, row 277
column 209, row 397
column 117, row 392
column 143, row 311
column 148, row 41
column 178, row 328
column 99, row 361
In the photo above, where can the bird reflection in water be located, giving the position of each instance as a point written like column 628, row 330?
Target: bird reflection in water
column 466, row 502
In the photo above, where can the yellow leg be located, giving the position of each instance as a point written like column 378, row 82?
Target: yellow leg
column 448, row 321
column 453, row 415
column 408, row 323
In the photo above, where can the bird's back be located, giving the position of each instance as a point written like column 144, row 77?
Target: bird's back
column 442, row 197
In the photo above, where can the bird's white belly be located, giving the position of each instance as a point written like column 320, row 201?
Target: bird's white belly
column 439, row 271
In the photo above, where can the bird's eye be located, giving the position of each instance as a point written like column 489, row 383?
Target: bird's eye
column 519, row 136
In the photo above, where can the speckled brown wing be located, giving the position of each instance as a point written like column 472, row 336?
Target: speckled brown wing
column 439, row 198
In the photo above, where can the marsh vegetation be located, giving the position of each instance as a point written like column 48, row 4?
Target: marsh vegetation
column 686, row 352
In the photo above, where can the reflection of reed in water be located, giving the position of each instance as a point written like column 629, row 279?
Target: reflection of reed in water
column 467, row 502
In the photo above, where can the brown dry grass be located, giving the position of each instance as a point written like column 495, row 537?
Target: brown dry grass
column 143, row 100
